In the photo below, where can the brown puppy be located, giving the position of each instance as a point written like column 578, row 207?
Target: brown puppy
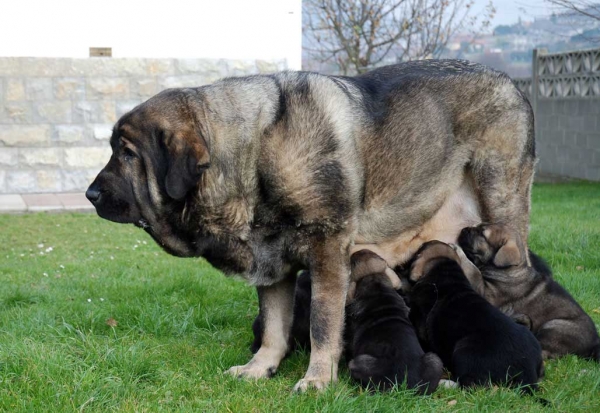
column 528, row 293
column 266, row 175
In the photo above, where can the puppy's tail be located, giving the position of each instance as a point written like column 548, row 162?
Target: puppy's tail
column 431, row 373
column 367, row 369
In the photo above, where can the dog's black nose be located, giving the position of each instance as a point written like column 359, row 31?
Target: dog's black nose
column 93, row 194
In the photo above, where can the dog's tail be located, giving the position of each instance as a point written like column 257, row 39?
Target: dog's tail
column 432, row 369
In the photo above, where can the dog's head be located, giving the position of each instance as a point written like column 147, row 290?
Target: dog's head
column 433, row 252
column 364, row 263
column 496, row 245
column 160, row 151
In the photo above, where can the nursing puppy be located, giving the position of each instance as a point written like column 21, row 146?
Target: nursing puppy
column 384, row 348
column 529, row 293
column 476, row 341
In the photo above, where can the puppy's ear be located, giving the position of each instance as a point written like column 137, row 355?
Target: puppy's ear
column 366, row 262
column 187, row 157
column 508, row 255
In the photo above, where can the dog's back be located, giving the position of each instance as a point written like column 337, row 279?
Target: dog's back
column 476, row 341
column 385, row 347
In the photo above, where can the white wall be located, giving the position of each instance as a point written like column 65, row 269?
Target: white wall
column 235, row 29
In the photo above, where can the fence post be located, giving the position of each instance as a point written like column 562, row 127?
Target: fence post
column 535, row 86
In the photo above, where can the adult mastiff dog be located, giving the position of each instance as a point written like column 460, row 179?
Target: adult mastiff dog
column 265, row 175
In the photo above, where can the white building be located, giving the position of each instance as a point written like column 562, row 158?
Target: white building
column 228, row 29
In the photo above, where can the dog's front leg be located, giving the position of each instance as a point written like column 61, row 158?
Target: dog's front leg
column 330, row 274
column 276, row 306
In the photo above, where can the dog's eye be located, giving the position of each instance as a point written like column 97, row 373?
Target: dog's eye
column 128, row 153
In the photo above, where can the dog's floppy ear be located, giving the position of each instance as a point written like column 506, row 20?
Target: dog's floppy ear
column 187, row 157
column 508, row 255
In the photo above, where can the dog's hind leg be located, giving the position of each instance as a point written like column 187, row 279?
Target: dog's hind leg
column 276, row 307
column 502, row 168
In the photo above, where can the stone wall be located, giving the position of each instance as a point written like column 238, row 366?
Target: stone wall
column 568, row 138
column 565, row 95
column 56, row 115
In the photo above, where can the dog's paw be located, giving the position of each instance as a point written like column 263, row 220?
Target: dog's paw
column 447, row 384
column 312, row 383
column 252, row 371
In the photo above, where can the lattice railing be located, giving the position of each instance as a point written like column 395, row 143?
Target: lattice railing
column 565, row 75
column 524, row 85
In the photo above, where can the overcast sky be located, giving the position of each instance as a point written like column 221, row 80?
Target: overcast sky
column 508, row 11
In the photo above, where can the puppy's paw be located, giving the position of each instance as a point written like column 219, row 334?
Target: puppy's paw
column 448, row 384
column 252, row 371
column 319, row 384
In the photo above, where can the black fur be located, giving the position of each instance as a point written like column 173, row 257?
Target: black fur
column 384, row 346
column 477, row 342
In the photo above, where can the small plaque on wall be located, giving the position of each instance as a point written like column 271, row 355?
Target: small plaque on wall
column 100, row 51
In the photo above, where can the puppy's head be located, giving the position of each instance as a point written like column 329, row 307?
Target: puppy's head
column 364, row 263
column 430, row 254
column 494, row 245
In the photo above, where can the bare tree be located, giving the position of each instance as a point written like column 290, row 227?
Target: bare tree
column 357, row 35
column 586, row 8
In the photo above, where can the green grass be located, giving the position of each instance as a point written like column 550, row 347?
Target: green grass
column 181, row 323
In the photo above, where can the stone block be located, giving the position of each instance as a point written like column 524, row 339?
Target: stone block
column 44, row 67
column 20, row 181
column 241, row 67
column 155, row 67
column 24, row 135
column 39, row 88
column 264, row 66
column 39, row 156
column 15, row 90
column 69, row 133
column 1, row 89
column 2, row 185
column 124, row 106
column 88, row 157
column 593, row 173
column 98, row 111
column 49, row 180
column 211, row 68
column 184, row 81
column 9, row 156
column 103, row 132
column 593, row 141
column 143, row 88
column 16, row 112
column 53, row 112
column 10, row 66
column 78, row 180
column 101, row 66
column 100, row 88
column 69, row 88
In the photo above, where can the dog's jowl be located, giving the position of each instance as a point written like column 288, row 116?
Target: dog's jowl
column 267, row 175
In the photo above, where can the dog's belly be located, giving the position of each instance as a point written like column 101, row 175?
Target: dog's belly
column 459, row 210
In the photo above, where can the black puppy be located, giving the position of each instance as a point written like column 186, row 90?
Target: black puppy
column 384, row 348
column 300, row 335
column 476, row 341
column 528, row 293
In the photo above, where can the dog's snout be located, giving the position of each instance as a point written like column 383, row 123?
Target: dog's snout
column 93, row 193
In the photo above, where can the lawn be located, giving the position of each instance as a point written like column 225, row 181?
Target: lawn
column 95, row 317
